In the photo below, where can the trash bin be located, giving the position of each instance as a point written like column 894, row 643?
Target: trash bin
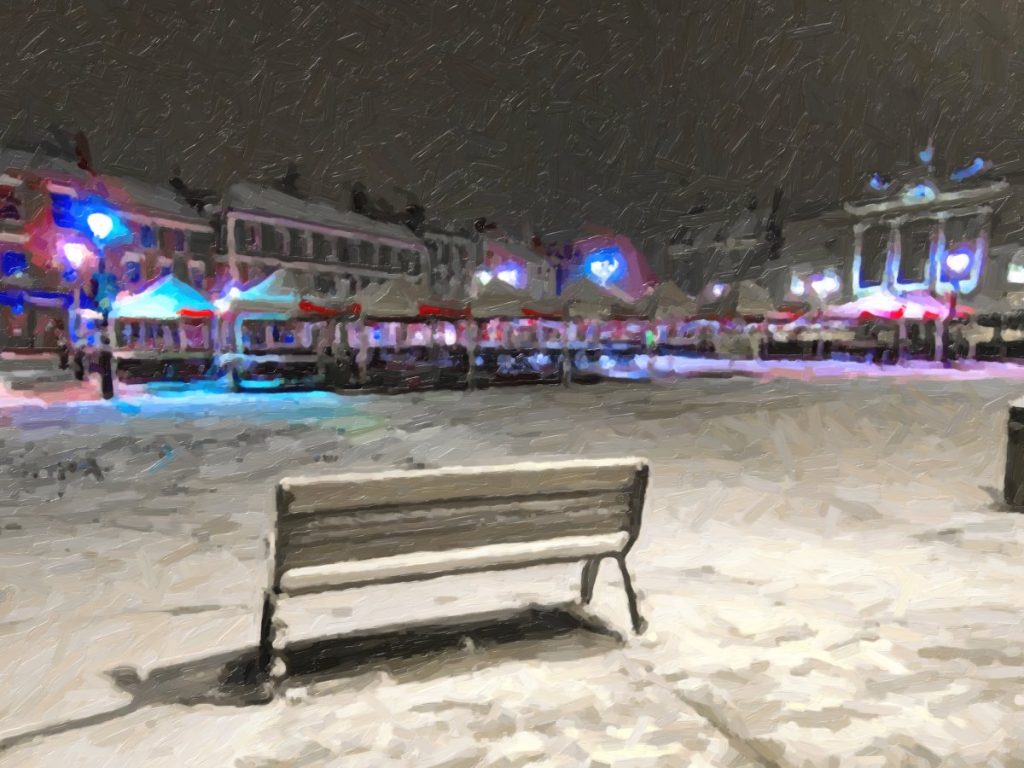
column 1013, row 485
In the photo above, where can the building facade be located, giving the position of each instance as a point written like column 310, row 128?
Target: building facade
column 336, row 252
column 58, row 266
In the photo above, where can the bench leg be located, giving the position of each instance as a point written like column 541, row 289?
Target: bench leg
column 589, row 578
column 639, row 623
column 270, row 661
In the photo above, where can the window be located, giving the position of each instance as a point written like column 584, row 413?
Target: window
column 321, row 248
column 62, row 208
column 179, row 241
column 296, row 244
column 366, row 254
column 915, row 253
column 270, row 240
column 164, row 266
column 874, row 252
column 131, row 269
column 411, row 262
column 147, row 237
column 13, row 263
column 1015, row 272
column 386, row 257
column 200, row 243
column 10, row 205
column 349, row 251
column 197, row 273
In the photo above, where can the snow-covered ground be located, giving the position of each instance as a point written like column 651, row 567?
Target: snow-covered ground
column 827, row 572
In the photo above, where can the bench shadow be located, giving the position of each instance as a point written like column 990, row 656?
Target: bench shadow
column 999, row 504
column 426, row 651
column 414, row 652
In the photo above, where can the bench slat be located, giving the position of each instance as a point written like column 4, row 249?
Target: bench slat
column 392, row 519
column 311, row 548
column 313, row 495
column 425, row 565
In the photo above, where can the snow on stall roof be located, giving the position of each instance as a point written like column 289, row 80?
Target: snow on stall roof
column 277, row 293
column 752, row 299
column 282, row 295
column 394, row 299
column 246, row 196
column 499, row 299
column 667, row 301
column 165, row 299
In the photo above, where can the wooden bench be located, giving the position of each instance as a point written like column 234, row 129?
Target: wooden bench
column 344, row 531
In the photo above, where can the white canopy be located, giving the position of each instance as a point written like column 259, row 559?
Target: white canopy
column 585, row 300
column 499, row 299
column 166, row 299
column 399, row 299
column 280, row 295
column 667, row 302
column 752, row 299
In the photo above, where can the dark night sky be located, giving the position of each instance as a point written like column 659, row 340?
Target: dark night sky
column 618, row 112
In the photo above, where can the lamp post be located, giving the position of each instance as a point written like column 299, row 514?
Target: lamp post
column 101, row 225
column 957, row 264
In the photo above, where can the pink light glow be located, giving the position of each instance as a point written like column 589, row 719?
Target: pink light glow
column 75, row 253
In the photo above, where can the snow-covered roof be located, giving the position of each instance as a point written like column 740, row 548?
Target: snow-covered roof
column 395, row 299
column 280, row 295
column 752, row 299
column 166, row 299
column 587, row 300
column 21, row 159
column 499, row 299
column 145, row 195
column 667, row 301
column 246, row 196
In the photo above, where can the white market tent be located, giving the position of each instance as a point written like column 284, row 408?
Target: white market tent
column 393, row 300
column 585, row 300
column 167, row 299
column 280, row 297
column 499, row 299
column 667, row 302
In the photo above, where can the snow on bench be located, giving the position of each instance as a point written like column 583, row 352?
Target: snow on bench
column 352, row 530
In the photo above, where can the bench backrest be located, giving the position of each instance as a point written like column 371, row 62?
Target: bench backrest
column 342, row 518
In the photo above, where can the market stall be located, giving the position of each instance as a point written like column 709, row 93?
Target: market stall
column 876, row 320
column 164, row 333
column 274, row 335
column 586, row 308
column 670, row 313
column 410, row 340
column 511, row 347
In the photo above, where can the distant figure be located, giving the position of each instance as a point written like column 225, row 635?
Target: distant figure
column 106, row 363
column 63, row 348
column 79, row 369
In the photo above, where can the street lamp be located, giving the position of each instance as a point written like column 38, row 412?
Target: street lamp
column 957, row 265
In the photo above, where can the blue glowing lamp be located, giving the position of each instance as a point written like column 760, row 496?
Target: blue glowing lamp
column 95, row 218
column 100, row 224
column 605, row 266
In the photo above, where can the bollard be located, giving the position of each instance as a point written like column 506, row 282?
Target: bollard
column 106, row 366
column 1013, row 485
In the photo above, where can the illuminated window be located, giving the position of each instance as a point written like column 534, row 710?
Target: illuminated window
column 13, row 263
column 1015, row 274
column 132, row 270
column 874, row 252
column 147, row 237
column 915, row 253
column 61, row 206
